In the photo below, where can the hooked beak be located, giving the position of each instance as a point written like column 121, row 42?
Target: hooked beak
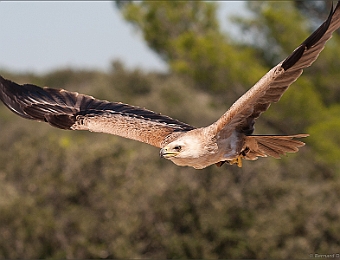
column 164, row 153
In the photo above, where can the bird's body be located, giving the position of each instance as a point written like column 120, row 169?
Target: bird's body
column 229, row 139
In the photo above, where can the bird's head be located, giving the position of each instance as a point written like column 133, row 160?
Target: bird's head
column 184, row 147
column 194, row 148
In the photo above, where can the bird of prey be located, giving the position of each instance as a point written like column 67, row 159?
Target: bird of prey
column 228, row 140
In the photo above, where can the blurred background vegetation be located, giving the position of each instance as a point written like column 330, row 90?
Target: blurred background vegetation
column 67, row 194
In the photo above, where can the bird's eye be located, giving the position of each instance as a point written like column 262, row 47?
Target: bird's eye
column 177, row 148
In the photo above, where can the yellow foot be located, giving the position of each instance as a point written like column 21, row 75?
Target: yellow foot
column 237, row 160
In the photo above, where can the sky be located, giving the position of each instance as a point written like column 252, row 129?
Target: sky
column 39, row 37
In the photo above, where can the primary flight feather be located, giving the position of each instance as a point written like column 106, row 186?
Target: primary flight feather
column 229, row 139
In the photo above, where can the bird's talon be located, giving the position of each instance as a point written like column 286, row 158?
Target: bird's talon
column 237, row 160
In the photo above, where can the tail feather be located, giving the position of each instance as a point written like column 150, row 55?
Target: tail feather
column 271, row 145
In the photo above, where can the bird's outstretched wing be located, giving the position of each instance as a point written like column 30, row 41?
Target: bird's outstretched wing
column 242, row 114
column 70, row 110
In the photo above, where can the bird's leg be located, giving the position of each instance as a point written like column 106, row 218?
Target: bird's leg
column 237, row 160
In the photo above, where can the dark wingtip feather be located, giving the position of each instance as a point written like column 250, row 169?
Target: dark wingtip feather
column 19, row 99
column 310, row 41
column 8, row 90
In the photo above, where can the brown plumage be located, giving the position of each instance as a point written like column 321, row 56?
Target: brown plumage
column 229, row 139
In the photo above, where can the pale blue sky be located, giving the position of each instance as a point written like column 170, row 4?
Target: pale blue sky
column 42, row 36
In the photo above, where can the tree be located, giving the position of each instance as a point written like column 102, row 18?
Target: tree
column 68, row 194
column 187, row 36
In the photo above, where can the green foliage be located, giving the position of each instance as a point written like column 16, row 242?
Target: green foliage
column 129, row 84
column 157, row 20
column 66, row 194
column 186, row 34
column 272, row 28
column 327, row 145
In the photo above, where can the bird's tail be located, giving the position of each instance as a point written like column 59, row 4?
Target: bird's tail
column 270, row 145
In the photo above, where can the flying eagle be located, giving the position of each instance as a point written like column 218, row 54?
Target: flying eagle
column 229, row 139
